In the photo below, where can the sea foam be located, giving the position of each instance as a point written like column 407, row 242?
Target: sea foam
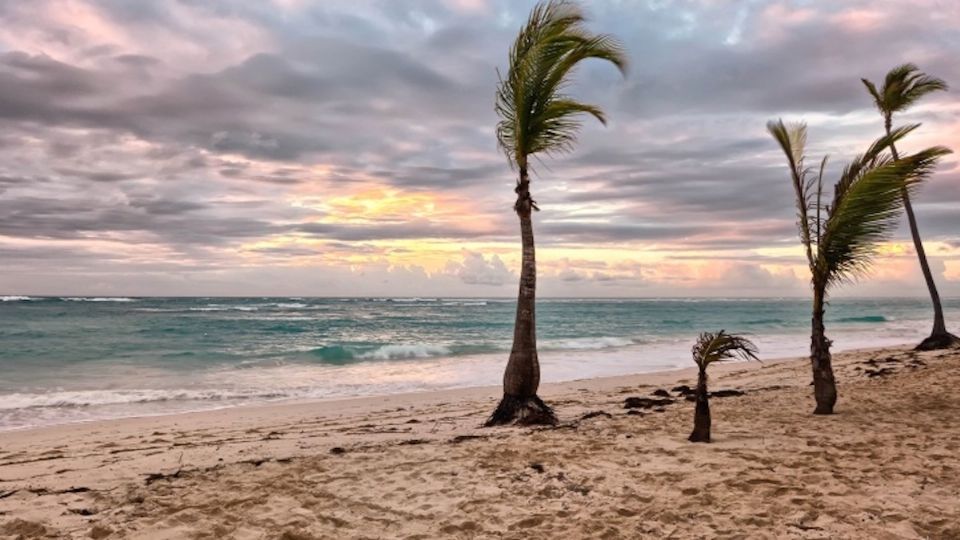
column 389, row 352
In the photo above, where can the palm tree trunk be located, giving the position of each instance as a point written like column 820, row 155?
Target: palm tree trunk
column 824, row 385
column 701, row 415
column 521, row 378
column 939, row 337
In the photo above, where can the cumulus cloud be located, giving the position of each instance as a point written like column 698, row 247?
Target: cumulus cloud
column 476, row 269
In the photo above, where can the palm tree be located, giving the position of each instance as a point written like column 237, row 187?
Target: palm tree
column 536, row 117
column 708, row 349
column 840, row 238
column 903, row 86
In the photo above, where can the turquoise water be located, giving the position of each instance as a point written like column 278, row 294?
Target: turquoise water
column 73, row 359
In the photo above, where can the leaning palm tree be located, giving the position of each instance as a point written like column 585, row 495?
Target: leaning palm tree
column 904, row 86
column 840, row 238
column 536, row 117
column 708, row 349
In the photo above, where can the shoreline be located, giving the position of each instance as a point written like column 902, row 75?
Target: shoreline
column 174, row 476
column 482, row 390
column 164, row 358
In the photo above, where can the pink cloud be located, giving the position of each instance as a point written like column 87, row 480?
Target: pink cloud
column 860, row 20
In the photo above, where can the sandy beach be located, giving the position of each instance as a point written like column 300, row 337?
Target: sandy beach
column 419, row 465
column 463, row 269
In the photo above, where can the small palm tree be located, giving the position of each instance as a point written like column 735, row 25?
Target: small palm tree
column 904, row 86
column 708, row 349
column 840, row 238
column 536, row 117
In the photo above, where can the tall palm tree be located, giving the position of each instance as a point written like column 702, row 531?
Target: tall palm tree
column 537, row 117
column 904, row 86
column 708, row 349
column 840, row 238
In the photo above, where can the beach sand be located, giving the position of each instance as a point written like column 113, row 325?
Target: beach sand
column 419, row 466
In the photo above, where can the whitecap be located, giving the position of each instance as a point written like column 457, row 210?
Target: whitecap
column 98, row 299
column 388, row 352
column 92, row 398
column 589, row 343
column 220, row 307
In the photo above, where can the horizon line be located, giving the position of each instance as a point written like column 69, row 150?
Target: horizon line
column 454, row 297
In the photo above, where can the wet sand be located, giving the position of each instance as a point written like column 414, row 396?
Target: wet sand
column 887, row 465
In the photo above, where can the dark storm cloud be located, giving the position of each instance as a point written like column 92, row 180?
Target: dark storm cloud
column 162, row 207
column 39, row 89
column 172, row 221
column 441, row 178
column 96, row 176
column 314, row 100
column 8, row 181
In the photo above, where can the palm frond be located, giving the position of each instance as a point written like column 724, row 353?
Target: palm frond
column 869, row 159
column 877, row 96
column 866, row 208
column 717, row 347
column 793, row 141
column 535, row 115
column 903, row 86
column 819, row 210
column 841, row 239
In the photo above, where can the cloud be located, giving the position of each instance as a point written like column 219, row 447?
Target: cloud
column 221, row 134
column 476, row 269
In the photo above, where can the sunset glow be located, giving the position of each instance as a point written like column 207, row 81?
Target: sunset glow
column 268, row 148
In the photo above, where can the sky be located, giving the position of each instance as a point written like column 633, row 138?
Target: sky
column 347, row 148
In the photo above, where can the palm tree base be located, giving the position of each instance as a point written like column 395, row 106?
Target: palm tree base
column 522, row 411
column 823, row 410
column 938, row 341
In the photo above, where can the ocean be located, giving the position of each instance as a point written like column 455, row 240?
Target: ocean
column 72, row 359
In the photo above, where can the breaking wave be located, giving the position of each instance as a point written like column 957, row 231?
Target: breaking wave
column 866, row 319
